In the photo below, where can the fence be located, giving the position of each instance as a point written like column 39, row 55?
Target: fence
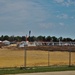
column 49, row 58
column 29, row 58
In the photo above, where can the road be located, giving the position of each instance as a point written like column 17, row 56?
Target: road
column 50, row 73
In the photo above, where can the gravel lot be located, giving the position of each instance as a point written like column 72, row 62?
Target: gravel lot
column 50, row 73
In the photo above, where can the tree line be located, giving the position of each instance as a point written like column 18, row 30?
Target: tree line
column 34, row 38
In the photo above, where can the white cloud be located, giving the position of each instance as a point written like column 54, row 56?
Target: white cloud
column 65, row 2
column 22, row 10
column 21, row 15
column 61, row 24
column 63, row 16
column 46, row 25
column 72, row 17
column 68, row 3
column 59, row 1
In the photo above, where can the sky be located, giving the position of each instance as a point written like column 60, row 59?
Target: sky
column 41, row 17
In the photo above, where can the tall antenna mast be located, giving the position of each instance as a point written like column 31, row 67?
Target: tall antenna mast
column 29, row 35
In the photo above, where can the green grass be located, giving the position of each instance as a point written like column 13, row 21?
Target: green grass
column 35, row 69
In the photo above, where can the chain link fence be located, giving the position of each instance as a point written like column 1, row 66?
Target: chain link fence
column 50, row 58
column 30, row 58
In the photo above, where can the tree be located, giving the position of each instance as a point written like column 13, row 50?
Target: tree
column 54, row 39
column 17, row 38
column 40, row 38
column 23, row 38
column 67, row 39
column 6, row 37
column 44, row 38
column 60, row 38
column 2, row 38
column 48, row 38
column 32, row 38
column 11, row 38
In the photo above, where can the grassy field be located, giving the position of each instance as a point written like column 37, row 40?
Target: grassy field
column 5, row 71
column 15, row 58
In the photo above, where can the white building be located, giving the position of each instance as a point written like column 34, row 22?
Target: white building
column 6, row 42
column 27, row 43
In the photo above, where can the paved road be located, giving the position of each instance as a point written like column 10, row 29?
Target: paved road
column 50, row 73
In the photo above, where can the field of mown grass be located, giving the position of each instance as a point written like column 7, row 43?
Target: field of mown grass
column 15, row 58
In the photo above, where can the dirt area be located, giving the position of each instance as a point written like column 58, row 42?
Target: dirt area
column 52, row 48
column 45, row 48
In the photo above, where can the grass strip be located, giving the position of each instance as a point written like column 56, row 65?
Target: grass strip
column 35, row 69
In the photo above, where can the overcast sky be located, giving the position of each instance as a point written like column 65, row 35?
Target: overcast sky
column 42, row 17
